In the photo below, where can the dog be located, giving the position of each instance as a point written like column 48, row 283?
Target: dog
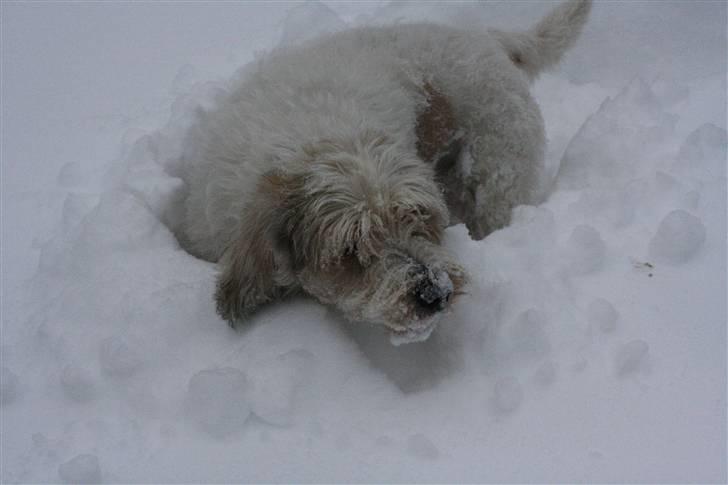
column 333, row 167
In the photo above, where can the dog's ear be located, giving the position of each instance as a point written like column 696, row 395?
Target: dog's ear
column 256, row 267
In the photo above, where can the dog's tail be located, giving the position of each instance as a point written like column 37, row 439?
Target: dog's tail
column 543, row 45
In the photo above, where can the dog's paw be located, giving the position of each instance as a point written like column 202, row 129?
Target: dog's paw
column 228, row 303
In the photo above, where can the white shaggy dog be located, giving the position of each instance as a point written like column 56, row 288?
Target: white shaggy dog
column 335, row 166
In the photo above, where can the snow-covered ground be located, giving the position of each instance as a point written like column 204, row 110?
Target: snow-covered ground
column 591, row 346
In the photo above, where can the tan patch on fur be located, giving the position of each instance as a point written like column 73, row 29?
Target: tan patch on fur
column 436, row 127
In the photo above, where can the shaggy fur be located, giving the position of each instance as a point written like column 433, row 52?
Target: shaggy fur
column 335, row 166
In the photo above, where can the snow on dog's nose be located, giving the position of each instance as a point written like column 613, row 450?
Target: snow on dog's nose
column 432, row 291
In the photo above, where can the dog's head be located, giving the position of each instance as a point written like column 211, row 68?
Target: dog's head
column 356, row 224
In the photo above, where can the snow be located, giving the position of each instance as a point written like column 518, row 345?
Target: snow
column 218, row 400
column 119, row 357
column 585, row 250
column 418, row 334
column 81, row 469
column 635, row 117
column 526, row 338
column 77, row 383
column 278, row 385
column 630, row 356
column 508, row 395
column 9, row 385
column 603, row 315
column 679, row 237
column 421, row 446
column 590, row 347
column 299, row 20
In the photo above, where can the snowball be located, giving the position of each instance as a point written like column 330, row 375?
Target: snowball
column 421, row 446
column 545, row 375
column 705, row 148
column 679, row 236
column 218, row 400
column 9, row 385
column 629, row 357
column 602, row 315
column 586, row 250
column 276, row 384
column 508, row 395
column 527, row 337
column 77, row 384
column 81, row 469
column 690, row 200
column 119, row 357
column 669, row 92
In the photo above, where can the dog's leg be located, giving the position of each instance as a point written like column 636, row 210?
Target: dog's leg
column 501, row 166
column 247, row 279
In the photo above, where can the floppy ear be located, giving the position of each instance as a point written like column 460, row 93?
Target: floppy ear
column 255, row 267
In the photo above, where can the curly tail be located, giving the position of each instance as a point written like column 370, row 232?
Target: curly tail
column 543, row 45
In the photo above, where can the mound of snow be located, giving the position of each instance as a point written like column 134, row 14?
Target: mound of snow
column 678, row 238
column 705, row 148
column 218, row 400
column 277, row 385
column 618, row 142
column 81, row 469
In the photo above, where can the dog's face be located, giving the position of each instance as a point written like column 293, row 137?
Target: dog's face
column 358, row 226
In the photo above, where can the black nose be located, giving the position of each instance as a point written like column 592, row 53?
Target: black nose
column 429, row 297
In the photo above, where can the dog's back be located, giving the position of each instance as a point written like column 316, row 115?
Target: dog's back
column 373, row 79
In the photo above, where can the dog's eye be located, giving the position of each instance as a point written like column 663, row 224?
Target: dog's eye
column 351, row 261
column 351, row 252
column 415, row 213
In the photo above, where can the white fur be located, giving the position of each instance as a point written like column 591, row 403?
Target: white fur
column 312, row 156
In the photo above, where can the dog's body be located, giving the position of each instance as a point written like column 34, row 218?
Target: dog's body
column 334, row 167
